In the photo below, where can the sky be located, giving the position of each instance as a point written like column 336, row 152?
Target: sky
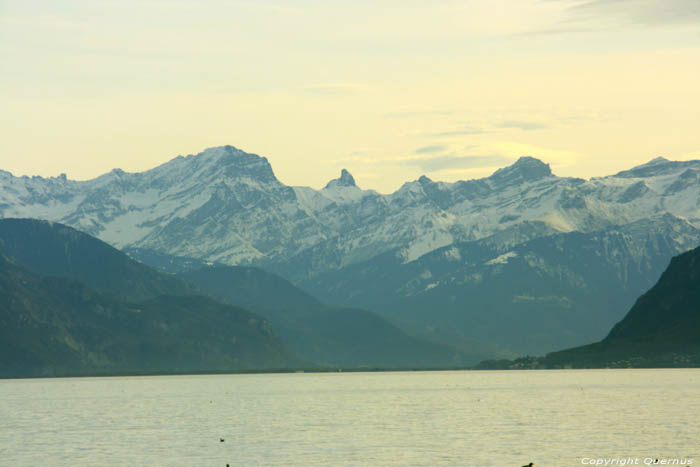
column 389, row 89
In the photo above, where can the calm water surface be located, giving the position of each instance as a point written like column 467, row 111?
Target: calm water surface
column 554, row 418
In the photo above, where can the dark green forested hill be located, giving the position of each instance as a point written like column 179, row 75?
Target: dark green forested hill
column 52, row 249
column 671, row 309
column 54, row 326
column 662, row 329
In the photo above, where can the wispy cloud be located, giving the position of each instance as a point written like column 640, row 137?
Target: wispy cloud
column 522, row 125
column 334, row 89
column 418, row 113
column 467, row 130
column 460, row 131
column 427, row 160
column 431, row 149
column 640, row 12
column 553, row 31
column 439, row 163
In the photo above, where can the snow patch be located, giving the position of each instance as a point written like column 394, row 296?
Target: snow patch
column 430, row 241
column 556, row 221
column 503, row 259
column 344, row 194
column 453, row 254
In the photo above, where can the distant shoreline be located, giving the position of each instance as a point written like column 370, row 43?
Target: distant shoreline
column 235, row 372
column 323, row 370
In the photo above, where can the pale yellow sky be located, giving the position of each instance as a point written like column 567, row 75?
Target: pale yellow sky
column 388, row 89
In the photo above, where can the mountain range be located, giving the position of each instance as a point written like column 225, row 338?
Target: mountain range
column 538, row 296
column 522, row 261
column 227, row 206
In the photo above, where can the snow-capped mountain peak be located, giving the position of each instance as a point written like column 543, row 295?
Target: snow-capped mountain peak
column 525, row 169
column 233, row 163
column 657, row 167
column 656, row 160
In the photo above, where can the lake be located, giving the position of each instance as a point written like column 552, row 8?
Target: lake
column 470, row 418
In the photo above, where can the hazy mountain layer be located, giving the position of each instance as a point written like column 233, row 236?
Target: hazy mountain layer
column 320, row 333
column 662, row 329
column 538, row 296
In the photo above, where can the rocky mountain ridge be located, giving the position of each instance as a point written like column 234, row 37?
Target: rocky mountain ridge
column 224, row 205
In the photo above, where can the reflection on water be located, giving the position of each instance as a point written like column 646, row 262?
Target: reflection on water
column 555, row 418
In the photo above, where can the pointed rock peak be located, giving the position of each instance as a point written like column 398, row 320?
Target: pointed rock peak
column 525, row 169
column 423, row 180
column 345, row 179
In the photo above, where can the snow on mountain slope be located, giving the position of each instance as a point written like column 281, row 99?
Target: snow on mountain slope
column 222, row 204
column 226, row 205
column 538, row 296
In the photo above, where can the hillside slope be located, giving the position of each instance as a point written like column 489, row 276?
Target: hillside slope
column 320, row 333
column 54, row 327
column 662, row 329
column 53, row 249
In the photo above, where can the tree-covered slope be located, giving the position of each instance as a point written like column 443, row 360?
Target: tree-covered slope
column 52, row 249
column 53, row 326
column 324, row 334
